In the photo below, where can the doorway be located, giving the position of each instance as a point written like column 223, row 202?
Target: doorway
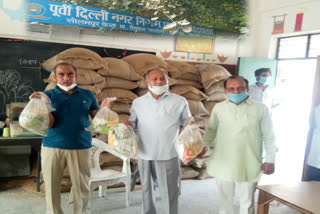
column 293, row 93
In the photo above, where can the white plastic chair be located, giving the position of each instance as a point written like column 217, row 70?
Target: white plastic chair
column 107, row 177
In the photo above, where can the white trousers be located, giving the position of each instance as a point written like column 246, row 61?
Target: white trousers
column 168, row 177
column 53, row 162
column 228, row 191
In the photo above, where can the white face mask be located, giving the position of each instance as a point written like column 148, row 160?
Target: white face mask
column 158, row 90
column 67, row 88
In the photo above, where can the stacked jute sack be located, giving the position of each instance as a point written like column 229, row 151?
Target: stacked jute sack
column 120, row 78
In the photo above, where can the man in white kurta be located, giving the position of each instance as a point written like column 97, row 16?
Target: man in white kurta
column 157, row 117
column 237, row 129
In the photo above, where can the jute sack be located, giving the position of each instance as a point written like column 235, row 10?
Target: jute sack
column 188, row 173
column 217, row 97
column 141, row 91
column 201, row 121
column 121, row 107
column 216, row 87
column 188, row 92
column 188, row 82
column 142, row 83
column 78, row 57
column 183, row 70
column 114, row 82
column 107, row 159
column 119, row 68
column 50, row 86
column 211, row 73
column 144, row 62
column 209, row 105
column 123, row 118
column 50, row 79
column 88, row 77
column 95, row 89
column 122, row 95
column 197, row 108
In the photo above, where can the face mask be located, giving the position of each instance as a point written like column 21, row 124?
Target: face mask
column 67, row 88
column 264, row 80
column 158, row 89
column 238, row 98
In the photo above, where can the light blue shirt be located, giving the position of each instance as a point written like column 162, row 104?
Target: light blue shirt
column 157, row 123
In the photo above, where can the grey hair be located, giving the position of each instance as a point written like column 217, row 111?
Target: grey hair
column 156, row 69
column 64, row 63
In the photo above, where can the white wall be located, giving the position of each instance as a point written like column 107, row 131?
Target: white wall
column 265, row 41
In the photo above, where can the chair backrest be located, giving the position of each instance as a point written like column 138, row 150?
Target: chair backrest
column 98, row 146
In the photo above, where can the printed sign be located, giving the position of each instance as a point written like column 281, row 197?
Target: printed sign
column 52, row 12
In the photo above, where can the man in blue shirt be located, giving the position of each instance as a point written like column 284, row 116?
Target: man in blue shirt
column 68, row 142
column 157, row 117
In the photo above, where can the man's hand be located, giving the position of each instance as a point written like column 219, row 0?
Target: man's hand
column 203, row 152
column 128, row 123
column 267, row 168
column 36, row 94
column 107, row 102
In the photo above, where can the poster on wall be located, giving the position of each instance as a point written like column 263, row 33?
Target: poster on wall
column 278, row 23
column 194, row 45
column 299, row 19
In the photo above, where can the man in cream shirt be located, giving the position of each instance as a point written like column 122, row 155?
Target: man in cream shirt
column 157, row 117
column 237, row 129
column 261, row 91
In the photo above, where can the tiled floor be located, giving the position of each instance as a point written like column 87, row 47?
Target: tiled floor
column 198, row 197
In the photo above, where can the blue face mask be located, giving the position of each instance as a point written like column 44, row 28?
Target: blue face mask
column 264, row 80
column 238, row 98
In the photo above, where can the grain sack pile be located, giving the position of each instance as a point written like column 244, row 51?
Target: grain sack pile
column 120, row 80
column 212, row 77
column 142, row 63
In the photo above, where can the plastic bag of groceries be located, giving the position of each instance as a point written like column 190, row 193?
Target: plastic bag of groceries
column 189, row 143
column 104, row 118
column 122, row 138
column 35, row 116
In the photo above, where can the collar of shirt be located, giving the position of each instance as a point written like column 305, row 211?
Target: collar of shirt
column 59, row 91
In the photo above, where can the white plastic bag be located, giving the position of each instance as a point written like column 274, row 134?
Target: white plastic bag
column 103, row 120
column 35, row 116
column 189, row 143
column 123, row 139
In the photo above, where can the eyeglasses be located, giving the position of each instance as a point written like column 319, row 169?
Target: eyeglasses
column 239, row 89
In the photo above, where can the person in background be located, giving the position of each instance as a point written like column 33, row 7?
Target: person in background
column 261, row 91
column 313, row 162
column 68, row 142
column 237, row 129
column 157, row 117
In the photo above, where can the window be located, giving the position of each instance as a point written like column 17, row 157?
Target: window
column 299, row 47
